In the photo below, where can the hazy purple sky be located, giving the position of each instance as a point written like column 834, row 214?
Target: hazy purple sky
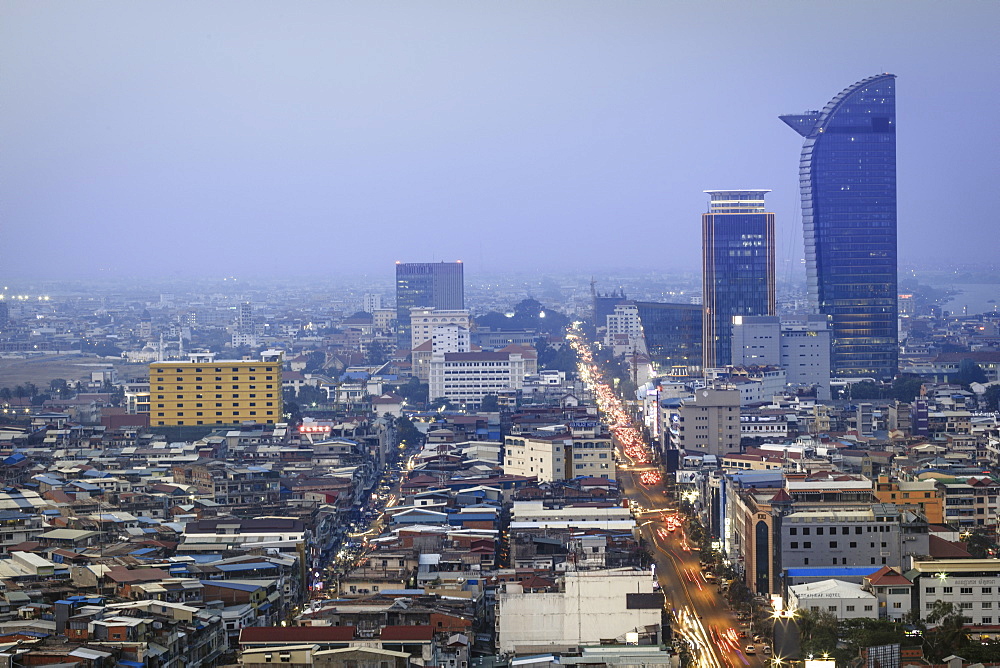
column 293, row 137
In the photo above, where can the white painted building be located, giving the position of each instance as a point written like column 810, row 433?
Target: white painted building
column 846, row 600
column 372, row 302
column 972, row 585
column 450, row 339
column 756, row 385
column 535, row 515
column 468, row 377
column 423, row 321
column 559, row 457
column 625, row 322
column 591, row 606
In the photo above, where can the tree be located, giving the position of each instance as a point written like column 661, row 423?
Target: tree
column 293, row 411
column 865, row 390
column 440, row 404
column 310, row 394
column 101, row 348
column 413, row 391
column 982, row 543
column 490, row 404
column 376, row 354
column 407, row 433
column 818, row 632
column 315, row 361
column 949, row 636
column 991, row 398
column 556, row 359
column 906, row 387
column 60, row 388
column 856, row 634
column 527, row 314
column 5, row 394
column 969, row 372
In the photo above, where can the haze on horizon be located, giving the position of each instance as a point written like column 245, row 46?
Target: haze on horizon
column 273, row 138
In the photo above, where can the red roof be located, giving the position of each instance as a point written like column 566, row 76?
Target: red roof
column 945, row 549
column 423, row 632
column 781, row 497
column 278, row 635
column 887, row 576
column 536, row 582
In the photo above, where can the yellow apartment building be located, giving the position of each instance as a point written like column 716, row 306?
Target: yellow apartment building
column 207, row 391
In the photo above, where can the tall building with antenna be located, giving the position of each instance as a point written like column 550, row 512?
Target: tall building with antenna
column 737, row 267
column 847, row 176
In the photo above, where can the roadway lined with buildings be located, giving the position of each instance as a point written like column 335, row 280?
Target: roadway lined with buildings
column 699, row 616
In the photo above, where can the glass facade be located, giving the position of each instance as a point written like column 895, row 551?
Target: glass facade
column 847, row 176
column 438, row 285
column 672, row 333
column 737, row 267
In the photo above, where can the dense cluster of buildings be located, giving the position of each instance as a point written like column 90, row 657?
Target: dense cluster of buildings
column 275, row 482
column 268, row 543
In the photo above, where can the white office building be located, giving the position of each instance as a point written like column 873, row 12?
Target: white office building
column 468, row 377
column 801, row 347
column 423, row 322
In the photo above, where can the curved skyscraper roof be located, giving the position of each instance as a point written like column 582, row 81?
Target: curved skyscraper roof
column 847, row 177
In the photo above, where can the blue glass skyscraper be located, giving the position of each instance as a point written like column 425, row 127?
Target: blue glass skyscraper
column 847, row 177
column 737, row 267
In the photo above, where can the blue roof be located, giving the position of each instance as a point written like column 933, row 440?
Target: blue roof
column 458, row 518
column 843, row 572
column 49, row 480
column 226, row 584
column 202, row 558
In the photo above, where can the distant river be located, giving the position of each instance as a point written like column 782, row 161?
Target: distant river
column 976, row 297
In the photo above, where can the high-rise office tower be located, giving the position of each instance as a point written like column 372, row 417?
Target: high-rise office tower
column 426, row 285
column 737, row 267
column 847, row 174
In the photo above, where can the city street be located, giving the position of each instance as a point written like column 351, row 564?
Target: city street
column 701, row 614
